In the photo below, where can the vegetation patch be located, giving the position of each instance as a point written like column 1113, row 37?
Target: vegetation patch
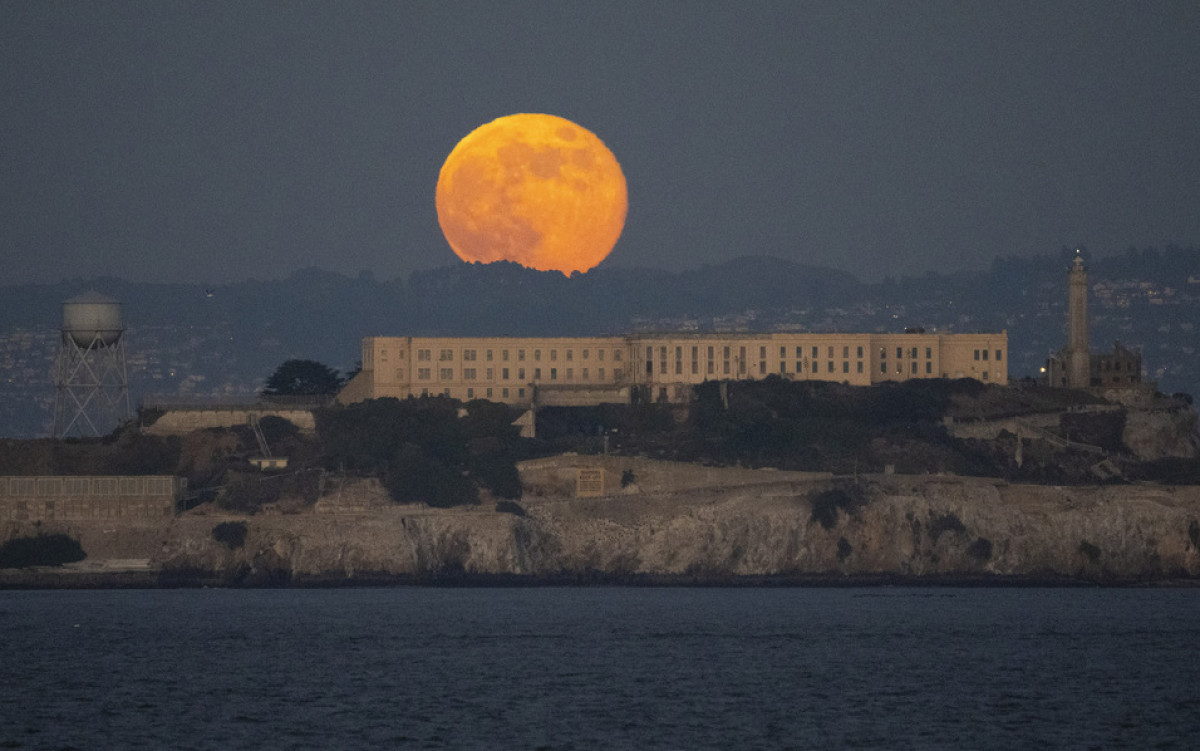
column 844, row 549
column 40, row 550
column 1089, row 551
column 230, row 534
column 945, row 523
column 827, row 504
column 980, row 550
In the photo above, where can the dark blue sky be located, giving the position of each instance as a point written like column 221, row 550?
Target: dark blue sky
column 217, row 141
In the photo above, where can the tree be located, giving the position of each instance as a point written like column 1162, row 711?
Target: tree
column 302, row 378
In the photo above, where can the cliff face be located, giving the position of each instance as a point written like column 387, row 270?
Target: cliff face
column 699, row 524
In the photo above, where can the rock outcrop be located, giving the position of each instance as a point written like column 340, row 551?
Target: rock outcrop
column 658, row 521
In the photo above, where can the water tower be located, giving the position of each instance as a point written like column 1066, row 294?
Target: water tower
column 91, row 384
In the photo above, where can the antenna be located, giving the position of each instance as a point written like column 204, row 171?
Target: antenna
column 91, row 382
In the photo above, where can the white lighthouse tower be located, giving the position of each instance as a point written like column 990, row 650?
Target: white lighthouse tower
column 91, row 383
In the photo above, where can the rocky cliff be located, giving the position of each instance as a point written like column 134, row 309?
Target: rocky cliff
column 672, row 522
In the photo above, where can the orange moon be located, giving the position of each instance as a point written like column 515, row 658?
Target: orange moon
column 535, row 189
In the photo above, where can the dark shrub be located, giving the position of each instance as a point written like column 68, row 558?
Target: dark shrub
column 945, row 523
column 1091, row 551
column 42, row 550
column 981, row 549
column 825, row 507
column 844, row 549
column 414, row 477
column 230, row 534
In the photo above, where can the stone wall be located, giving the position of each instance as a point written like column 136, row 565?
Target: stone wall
column 186, row 420
column 47, row 499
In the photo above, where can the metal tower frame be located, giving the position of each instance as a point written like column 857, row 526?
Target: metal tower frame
column 91, row 385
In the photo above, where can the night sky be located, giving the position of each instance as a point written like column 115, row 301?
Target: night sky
column 219, row 141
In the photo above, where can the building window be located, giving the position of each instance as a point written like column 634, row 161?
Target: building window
column 537, row 355
column 985, row 375
column 399, row 374
column 445, row 355
column 762, row 353
column 504, row 393
column 799, row 366
column 423, row 355
column 520, row 374
column 976, row 354
column 860, row 367
column 928, row 352
column 783, row 353
column 520, row 355
column 799, row 352
column 553, row 354
column 899, row 352
column 537, row 374
column 600, row 373
column 913, row 369
column 600, row 355
column 860, row 355
column 816, row 354
column 709, row 367
column 489, row 394
column 741, row 360
column 470, row 393
column 570, row 355
column 845, row 366
column 985, row 354
column 829, row 366
column 423, row 374
column 649, row 367
column 446, row 374
column 468, row 374
column 883, row 353
column 570, row 374
column 585, row 374
column 504, row 374
column 998, row 355
column 883, row 367
column 521, row 393
column 491, row 374
column 762, row 367
column 845, row 351
column 679, row 367
column 504, row 355
column 489, row 359
column 928, row 367
column 553, row 374
column 586, row 352
column 695, row 367
column 469, row 355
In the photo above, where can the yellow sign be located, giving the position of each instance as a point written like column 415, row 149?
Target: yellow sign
column 589, row 483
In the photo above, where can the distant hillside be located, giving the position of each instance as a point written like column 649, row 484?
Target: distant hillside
column 225, row 339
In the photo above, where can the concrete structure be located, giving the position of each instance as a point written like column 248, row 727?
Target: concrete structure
column 77, row 498
column 1076, row 367
column 91, row 383
column 181, row 416
column 583, row 371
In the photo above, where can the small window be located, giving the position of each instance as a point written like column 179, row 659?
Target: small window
column 928, row 367
column 860, row 354
column 553, row 374
column 860, row 366
column 537, row 374
column 446, row 374
column 928, row 352
column 999, row 355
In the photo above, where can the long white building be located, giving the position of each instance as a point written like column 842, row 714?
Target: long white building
column 524, row 371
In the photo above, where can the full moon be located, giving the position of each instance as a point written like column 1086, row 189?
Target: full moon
column 535, row 189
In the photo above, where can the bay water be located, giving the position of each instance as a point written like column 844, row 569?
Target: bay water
column 601, row 667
